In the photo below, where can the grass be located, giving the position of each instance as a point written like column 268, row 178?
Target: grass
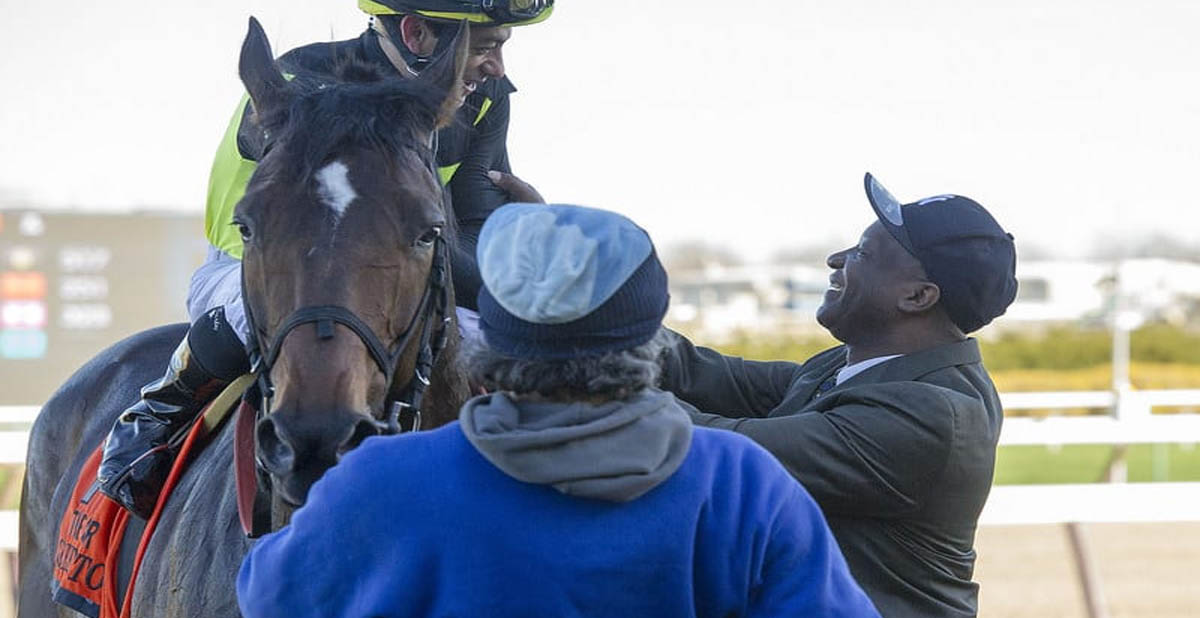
column 1034, row 465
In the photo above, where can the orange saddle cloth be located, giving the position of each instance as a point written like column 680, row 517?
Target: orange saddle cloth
column 89, row 539
column 93, row 561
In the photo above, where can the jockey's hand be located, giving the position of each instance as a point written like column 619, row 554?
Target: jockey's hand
column 518, row 190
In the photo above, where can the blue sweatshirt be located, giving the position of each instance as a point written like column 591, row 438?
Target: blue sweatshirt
column 423, row 525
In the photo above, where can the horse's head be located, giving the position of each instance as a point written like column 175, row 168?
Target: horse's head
column 345, row 269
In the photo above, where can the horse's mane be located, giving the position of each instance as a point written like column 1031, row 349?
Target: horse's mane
column 359, row 105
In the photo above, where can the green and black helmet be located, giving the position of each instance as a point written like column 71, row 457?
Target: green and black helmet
column 480, row 12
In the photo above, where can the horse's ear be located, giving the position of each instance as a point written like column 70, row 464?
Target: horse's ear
column 446, row 74
column 260, row 75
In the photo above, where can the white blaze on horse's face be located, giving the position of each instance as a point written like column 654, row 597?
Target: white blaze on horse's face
column 335, row 190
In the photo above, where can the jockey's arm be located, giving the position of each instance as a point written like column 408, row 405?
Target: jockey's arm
column 474, row 196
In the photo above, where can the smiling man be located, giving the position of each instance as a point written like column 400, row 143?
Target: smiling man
column 894, row 432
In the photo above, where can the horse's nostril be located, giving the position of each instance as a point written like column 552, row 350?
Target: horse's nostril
column 363, row 429
column 273, row 451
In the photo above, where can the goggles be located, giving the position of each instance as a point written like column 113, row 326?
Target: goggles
column 509, row 11
column 479, row 12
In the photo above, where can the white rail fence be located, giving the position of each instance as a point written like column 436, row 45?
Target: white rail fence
column 1130, row 421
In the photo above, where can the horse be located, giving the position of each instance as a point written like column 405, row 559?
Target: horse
column 345, row 280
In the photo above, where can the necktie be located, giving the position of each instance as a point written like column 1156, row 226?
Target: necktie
column 826, row 386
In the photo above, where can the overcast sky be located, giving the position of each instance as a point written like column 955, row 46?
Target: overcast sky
column 748, row 124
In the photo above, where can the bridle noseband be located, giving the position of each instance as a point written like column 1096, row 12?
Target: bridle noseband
column 431, row 321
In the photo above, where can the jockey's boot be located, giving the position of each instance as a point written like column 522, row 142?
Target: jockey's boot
column 138, row 453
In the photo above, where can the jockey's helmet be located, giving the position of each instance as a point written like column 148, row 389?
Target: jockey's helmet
column 479, row 12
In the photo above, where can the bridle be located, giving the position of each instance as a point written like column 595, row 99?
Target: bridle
column 428, row 329
column 430, row 323
column 431, row 314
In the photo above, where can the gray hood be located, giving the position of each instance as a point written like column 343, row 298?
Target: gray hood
column 614, row 451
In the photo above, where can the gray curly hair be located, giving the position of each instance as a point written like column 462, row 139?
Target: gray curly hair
column 608, row 376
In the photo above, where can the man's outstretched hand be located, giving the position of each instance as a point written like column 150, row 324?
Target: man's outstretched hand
column 518, row 190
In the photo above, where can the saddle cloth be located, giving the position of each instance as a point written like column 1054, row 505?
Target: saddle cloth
column 93, row 561
column 89, row 536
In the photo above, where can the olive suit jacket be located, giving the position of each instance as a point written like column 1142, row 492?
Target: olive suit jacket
column 900, row 457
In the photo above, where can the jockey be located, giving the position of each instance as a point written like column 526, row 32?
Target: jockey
column 401, row 39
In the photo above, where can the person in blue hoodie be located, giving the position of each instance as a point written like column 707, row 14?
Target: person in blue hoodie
column 575, row 488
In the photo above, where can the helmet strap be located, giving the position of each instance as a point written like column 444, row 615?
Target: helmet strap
column 393, row 53
column 400, row 56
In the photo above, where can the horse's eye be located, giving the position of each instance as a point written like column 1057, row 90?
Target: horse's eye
column 427, row 239
column 244, row 230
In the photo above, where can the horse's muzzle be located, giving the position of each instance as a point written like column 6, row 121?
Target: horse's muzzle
column 297, row 453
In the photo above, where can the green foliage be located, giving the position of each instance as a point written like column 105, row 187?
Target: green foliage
column 1143, row 376
column 1075, row 348
column 796, row 349
column 1060, row 359
column 1161, row 343
column 1059, row 348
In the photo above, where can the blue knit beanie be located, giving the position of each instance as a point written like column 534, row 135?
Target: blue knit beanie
column 563, row 281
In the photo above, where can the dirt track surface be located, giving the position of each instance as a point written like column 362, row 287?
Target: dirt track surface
column 1146, row 570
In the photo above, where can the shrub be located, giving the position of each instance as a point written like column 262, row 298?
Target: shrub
column 1059, row 348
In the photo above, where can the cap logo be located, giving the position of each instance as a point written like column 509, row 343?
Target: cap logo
column 936, row 198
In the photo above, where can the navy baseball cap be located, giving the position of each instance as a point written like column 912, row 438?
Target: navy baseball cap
column 961, row 247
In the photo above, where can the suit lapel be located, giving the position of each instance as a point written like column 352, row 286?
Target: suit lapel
column 817, row 369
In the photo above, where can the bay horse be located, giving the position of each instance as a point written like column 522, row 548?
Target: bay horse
column 345, row 230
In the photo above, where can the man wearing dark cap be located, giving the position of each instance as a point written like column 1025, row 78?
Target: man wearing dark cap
column 575, row 488
column 894, row 432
